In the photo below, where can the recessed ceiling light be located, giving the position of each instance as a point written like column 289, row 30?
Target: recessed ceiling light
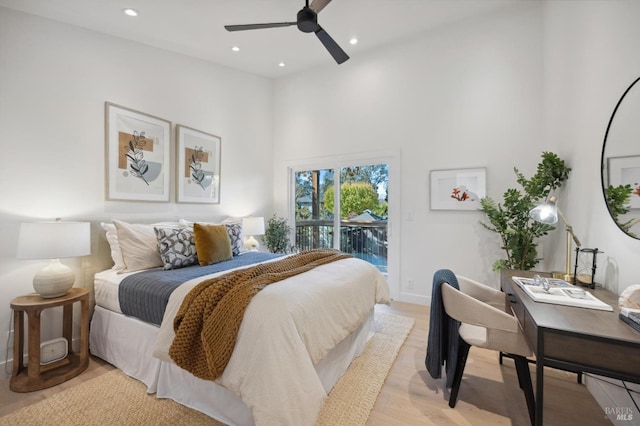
column 353, row 41
column 130, row 12
column 281, row 64
column 235, row 48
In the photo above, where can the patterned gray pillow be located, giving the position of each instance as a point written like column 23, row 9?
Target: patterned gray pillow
column 177, row 247
column 235, row 235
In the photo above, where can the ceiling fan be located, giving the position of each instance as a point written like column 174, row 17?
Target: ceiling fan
column 307, row 22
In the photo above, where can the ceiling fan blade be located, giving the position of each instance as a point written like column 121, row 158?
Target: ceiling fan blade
column 336, row 51
column 318, row 5
column 258, row 26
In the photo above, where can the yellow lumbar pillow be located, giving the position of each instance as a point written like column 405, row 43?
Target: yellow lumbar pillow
column 212, row 243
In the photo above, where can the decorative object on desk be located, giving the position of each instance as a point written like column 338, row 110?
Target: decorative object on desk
column 138, row 152
column 620, row 162
column 276, row 236
column 548, row 213
column 252, row 226
column 559, row 292
column 198, row 166
column 630, row 297
column 511, row 220
column 585, row 274
column 53, row 240
column 458, row 189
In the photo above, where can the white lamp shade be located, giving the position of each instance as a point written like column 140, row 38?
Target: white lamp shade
column 546, row 212
column 53, row 240
column 253, row 226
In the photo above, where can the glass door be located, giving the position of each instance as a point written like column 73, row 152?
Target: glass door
column 346, row 211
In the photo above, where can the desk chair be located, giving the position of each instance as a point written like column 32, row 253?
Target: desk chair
column 485, row 324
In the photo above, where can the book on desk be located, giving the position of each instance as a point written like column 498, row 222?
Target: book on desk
column 560, row 292
column 631, row 317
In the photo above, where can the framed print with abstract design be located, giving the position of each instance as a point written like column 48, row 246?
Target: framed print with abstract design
column 138, row 149
column 198, row 167
column 458, row 189
column 626, row 171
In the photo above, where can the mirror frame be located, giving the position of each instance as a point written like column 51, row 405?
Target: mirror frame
column 602, row 158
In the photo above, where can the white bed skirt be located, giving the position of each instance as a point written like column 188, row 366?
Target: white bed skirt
column 128, row 344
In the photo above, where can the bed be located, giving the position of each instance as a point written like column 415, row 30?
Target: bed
column 297, row 338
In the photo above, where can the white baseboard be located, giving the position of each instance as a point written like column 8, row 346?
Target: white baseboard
column 418, row 299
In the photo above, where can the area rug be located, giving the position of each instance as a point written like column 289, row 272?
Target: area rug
column 116, row 399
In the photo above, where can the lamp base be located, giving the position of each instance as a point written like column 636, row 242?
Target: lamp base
column 251, row 244
column 562, row 276
column 54, row 280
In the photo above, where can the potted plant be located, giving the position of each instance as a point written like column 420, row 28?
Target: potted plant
column 510, row 219
column 276, row 235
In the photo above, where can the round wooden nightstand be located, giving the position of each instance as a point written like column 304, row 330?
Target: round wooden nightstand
column 35, row 376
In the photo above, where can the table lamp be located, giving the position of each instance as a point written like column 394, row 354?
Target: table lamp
column 53, row 240
column 548, row 213
column 252, row 226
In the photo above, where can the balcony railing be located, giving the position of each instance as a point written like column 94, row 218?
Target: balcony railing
column 365, row 240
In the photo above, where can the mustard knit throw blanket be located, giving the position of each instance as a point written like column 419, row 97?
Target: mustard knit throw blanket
column 209, row 318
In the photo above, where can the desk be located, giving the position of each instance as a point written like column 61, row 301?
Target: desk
column 36, row 376
column 574, row 339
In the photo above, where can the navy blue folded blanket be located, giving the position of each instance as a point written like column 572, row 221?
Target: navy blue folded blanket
column 145, row 295
column 442, row 343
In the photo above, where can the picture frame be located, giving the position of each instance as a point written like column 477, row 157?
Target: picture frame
column 457, row 189
column 138, row 149
column 198, row 166
column 623, row 171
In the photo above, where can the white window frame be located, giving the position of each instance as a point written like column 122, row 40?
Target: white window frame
column 392, row 159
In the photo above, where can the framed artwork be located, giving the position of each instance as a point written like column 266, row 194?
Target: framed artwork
column 198, row 166
column 458, row 189
column 623, row 171
column 137, row 151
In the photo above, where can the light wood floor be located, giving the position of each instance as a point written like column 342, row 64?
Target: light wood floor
column 489, row 394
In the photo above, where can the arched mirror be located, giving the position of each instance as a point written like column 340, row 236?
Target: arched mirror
column 621, row 162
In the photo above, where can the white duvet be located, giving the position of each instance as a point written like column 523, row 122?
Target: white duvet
column 287, row 328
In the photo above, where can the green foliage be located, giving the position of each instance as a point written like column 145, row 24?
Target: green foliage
column 618, row 199
column 355, row 197
column 511, row 220
column 276, row 236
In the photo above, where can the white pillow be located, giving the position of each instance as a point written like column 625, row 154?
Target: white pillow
column 139, row 246
column 112, row 239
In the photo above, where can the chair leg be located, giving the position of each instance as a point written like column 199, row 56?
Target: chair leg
column 463, row 352
column 524, row 379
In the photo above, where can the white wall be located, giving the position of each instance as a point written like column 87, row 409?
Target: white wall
column 54, row 81
column 492, row 92
column 591, row 56
column 465, row 95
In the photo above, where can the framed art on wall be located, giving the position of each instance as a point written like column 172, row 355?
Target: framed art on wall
column 138, row 148
column 626, row 171
column 457, row 189
column 198, row 166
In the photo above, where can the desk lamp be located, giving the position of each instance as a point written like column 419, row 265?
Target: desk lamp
column 252, row 226
column 548, row 213
column 53, row 240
